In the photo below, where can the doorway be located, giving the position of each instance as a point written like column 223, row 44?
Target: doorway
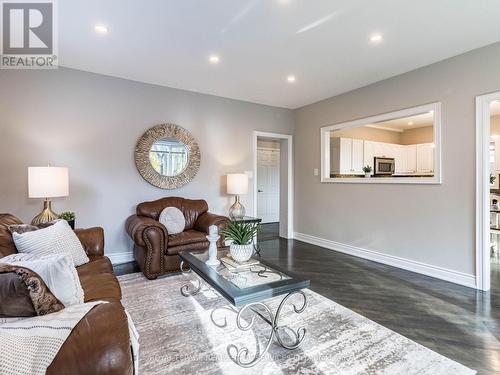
column 487, row 191
column 273, row 184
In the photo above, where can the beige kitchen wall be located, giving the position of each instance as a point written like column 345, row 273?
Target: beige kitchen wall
column 90, row 123
column 431, row 224
column 417, row 135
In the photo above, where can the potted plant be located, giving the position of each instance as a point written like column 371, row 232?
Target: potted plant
column 367, row 169
column 69, row 217
column 241, row 236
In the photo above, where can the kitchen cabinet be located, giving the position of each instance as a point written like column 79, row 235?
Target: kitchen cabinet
column 411, row 158
column 425, row 158
column 346, row 155
column 349, row 156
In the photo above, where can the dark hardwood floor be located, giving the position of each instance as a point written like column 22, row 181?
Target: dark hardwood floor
column 458, row 322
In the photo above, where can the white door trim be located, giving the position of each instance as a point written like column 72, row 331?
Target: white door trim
column 483, row 189
column 289, row 138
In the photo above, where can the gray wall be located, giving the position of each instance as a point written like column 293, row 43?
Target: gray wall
column 91, row 123
column 432, row 224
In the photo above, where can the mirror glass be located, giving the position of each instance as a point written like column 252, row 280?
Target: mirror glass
column 399, row 148
column 168, row 156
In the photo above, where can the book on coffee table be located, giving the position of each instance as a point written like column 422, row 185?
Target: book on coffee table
column 231, row 264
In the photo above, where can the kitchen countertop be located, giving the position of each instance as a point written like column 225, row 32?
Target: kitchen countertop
column 379, row 176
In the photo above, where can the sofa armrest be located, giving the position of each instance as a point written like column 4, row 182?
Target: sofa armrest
column 139, row 228
column 207, row 219
column 92, row 240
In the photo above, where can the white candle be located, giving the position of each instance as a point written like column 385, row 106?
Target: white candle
column 213, row 230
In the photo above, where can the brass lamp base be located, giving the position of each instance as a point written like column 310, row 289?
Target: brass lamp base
column 46, row 215
column 236, row 211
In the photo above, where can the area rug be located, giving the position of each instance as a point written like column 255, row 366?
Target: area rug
column 194, row 335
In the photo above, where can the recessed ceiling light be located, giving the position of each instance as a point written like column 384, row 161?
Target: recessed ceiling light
column 214, row 59
column 410, row 123
column 291, row 79
column 101, row 29
column 376, row 38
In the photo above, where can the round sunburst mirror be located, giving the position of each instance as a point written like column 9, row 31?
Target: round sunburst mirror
column 167, row 156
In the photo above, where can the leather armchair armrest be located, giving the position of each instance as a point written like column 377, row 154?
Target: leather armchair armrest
column 207, row 219
column 140, row 227
column 92, row 240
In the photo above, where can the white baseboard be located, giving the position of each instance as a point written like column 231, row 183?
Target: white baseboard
column 119, row 258
column 406, row 264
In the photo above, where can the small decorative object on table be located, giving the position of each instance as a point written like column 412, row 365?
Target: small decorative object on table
column 368, row 171
column 213, row 237
column 69, row 217
column 241, row 234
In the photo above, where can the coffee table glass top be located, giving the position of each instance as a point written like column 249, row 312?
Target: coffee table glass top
column 262, row 281
column 258, row 274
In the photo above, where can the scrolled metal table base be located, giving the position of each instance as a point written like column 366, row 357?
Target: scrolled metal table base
column 265, row 313
column 189, row 289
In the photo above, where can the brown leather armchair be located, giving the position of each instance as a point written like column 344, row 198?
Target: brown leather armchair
column 154, row 249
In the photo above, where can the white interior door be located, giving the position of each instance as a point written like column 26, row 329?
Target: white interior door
column 268, row 185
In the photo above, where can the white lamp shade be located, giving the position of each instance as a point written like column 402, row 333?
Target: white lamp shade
column 237, row 183
column 48, row 182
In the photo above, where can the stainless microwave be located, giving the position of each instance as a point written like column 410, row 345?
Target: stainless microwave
column 383, row 166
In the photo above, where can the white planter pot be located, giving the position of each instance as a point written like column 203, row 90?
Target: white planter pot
column 368, row 175
column 241, row 253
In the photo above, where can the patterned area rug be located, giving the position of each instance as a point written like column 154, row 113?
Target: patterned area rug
column 199, row 335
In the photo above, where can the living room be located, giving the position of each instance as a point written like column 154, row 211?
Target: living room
column 150, row 131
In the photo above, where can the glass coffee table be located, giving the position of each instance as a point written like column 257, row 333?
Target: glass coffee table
column 247, row 289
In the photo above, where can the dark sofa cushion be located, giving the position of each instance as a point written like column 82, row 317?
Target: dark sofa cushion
column 14, row 297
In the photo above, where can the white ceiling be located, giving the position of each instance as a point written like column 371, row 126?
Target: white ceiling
column 324, row 43
column 405, row 123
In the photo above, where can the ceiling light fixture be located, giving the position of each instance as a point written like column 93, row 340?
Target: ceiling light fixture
column 101, row 29
column 214, row 59
column 291, row 79
column 410, row 123
column 376, row 38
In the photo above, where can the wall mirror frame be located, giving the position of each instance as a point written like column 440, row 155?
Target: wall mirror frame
column 329, row 148
column 186, row 155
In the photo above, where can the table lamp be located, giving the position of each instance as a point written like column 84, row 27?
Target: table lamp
column 47, row 182
column 237, row 184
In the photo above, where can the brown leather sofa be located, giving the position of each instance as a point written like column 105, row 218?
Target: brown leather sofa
column 100, row 342
column 154, row 249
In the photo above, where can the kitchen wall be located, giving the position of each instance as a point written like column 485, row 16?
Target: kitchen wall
column 417, row 135
column 369, row 134
column 495, row 125
column 432, row 226
column 91, row 123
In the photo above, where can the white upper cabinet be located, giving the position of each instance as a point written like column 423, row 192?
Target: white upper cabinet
column 349, row 156
column 346, row 155
column 411, row 158
column 357, row 155
column 425, row 158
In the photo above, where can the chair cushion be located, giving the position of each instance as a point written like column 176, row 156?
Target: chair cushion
column 55, row 239
column 15, row 299
column 173, row 219
column 186, row 238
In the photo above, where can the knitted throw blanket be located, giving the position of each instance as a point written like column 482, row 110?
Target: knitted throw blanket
column 29, row 345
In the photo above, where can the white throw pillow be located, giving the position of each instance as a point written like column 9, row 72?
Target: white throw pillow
column 173, row 219
column 56, row 239
column 57, row 271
